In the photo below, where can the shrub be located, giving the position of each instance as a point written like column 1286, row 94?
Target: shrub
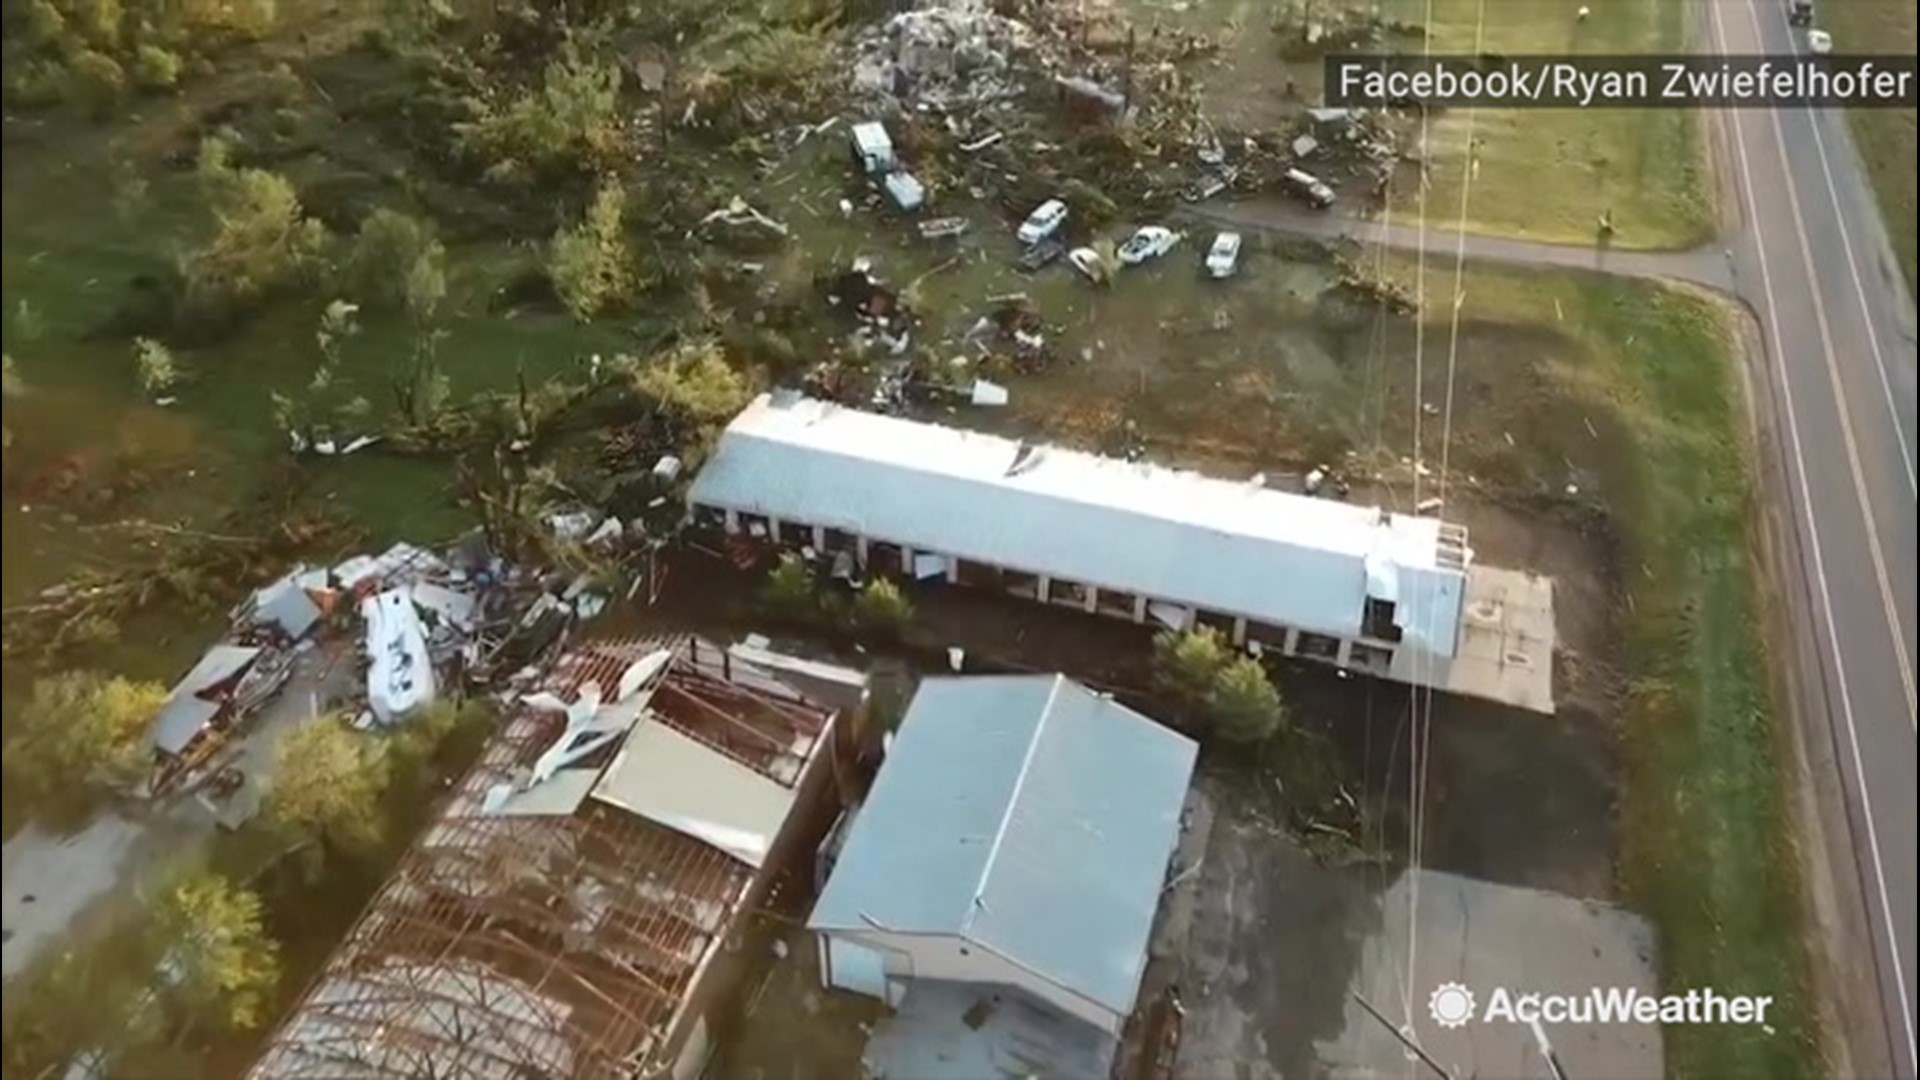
column 1229, row 696
column 95, row 82
column 572, row 121
column 156, row 367
column 789, row 590
column 263, row 242
column 396, row 261
column 882, row 609
column 154, row 68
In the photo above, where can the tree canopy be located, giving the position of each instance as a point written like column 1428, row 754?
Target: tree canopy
column 219, row 963
column 328, row 782
column 81, row 736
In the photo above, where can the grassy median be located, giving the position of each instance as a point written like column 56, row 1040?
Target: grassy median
column 1886, row 137
column 1707, row 847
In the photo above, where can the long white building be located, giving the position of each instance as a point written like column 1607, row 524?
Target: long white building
column 1387, row 594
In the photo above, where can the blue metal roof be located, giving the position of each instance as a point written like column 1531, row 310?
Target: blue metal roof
column 1028, row 815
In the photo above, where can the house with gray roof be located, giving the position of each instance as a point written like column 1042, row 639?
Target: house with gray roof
column 1013, row 848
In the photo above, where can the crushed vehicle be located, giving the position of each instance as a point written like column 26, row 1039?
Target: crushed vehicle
column 1147, row 242
column 1087, row 261
column 1038, row 256
column 942, row 228
column 1310, row 188
column 1045, row 221
column 1223, row 257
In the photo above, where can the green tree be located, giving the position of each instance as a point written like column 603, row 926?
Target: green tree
column 263, row 242
column 789, row 589
column 882, row 608
column 219, row 964
column 1186, row 666
column 695, row 381
column 79, row 737
column 328, row 782
column 90, row 997
column 397, row 262
column 590, row 263
column 571, row 121
column 1244, row 706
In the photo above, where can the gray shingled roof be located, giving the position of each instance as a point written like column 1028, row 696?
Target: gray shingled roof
column 1027, row 815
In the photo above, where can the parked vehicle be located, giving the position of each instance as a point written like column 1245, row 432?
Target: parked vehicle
column 1045, row 220
column 1223, row 258
column 1311, row 188
column 1800, row 12
column 1147, row 242
column 1039, row 255
column 1819, row 42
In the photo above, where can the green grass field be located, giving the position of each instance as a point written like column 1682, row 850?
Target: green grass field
column 1886, row 137
column 1548, row 174
column 1707, row 848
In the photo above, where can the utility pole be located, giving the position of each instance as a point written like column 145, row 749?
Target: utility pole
column 1405, row 1040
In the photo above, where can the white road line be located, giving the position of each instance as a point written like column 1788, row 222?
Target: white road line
column 1853, row 268
column 1855, row 472
column 1846, row 427
column 1820, row 575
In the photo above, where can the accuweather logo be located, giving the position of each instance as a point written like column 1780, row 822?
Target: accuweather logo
column 1452, row 1005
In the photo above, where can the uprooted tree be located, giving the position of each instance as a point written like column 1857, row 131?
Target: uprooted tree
column 1229, row 695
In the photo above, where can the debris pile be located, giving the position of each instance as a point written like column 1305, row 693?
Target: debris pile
column 948, row 55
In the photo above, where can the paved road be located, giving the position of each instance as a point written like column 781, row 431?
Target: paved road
column 1812, row 260
column 1702, row 266
column 1839, row 330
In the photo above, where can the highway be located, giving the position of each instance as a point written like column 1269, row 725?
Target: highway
column 1835, row 399
column 1838, row 328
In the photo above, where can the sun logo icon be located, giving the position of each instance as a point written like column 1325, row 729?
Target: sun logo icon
column 1450, row 1004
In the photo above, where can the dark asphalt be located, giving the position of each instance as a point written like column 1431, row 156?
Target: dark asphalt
column 1839, row 329
column 1811, row 259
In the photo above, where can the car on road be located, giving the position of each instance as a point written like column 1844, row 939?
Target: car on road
column 1819, row 42
column 1045, row 220
column 1147, row 242
column 1223, row 257
column 1307, row 186
column 1799, row 12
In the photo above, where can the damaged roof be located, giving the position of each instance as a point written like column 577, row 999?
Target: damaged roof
column 1236, row 547
column 187, row 708
column 558, row 934
column 1028, row 815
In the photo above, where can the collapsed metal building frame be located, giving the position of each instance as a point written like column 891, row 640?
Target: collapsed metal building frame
column 563, row 939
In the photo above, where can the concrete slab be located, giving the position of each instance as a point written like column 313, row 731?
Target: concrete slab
column 1267, row 946
column 1505, row 653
